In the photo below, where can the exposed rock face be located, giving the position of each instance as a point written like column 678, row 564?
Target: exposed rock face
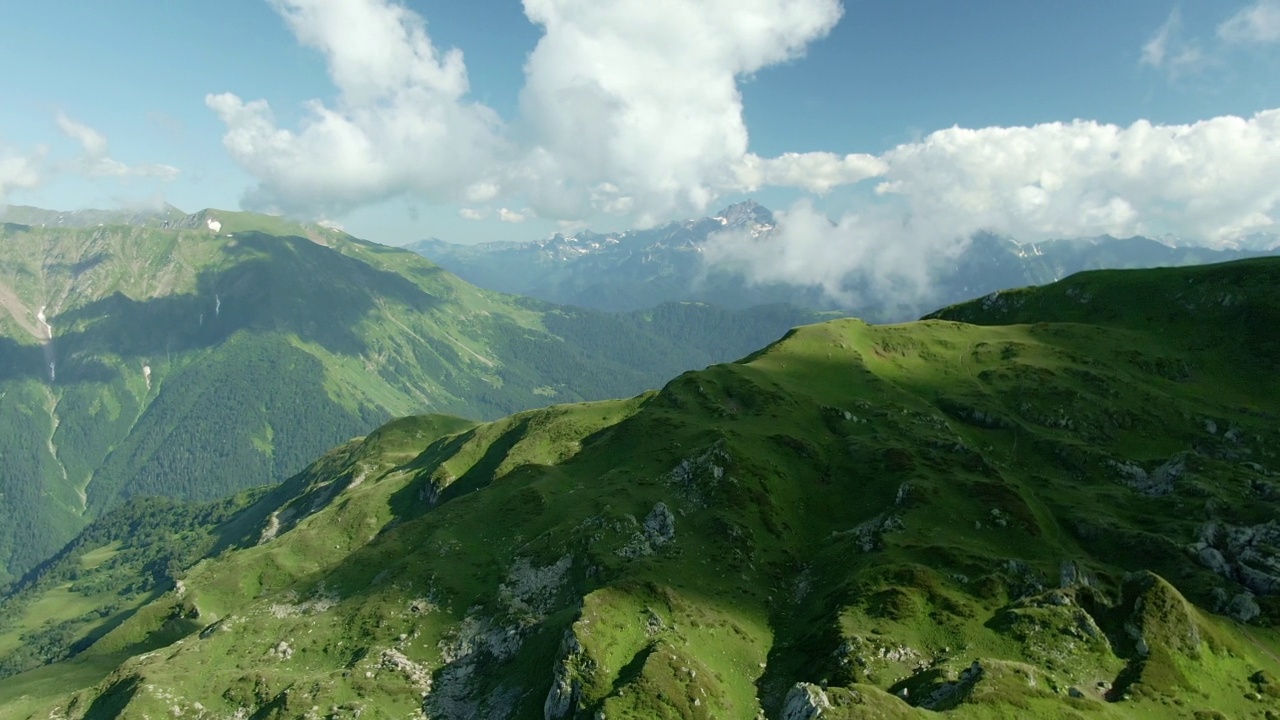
column 658, row 529
column 1069, row 575
column 419, row 676
column 805, row 701
column 694, row 476
column 1248, row 555
column 1159, row 481
column 659, row 525
column 870, row 534
column 565, row 689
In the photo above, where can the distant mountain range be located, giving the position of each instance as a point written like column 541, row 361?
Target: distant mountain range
column 636, row 269
column 193, row 355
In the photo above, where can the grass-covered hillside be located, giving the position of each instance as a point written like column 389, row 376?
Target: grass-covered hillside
column 1073, row 516
column 195, row 356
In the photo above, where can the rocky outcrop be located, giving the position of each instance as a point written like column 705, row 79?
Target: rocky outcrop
column 695, row 477
column 418, row 676
column 659, row 525
column 869, row 535
column 566, row 689
column 658, row 529
column 1158, row 482
column 805, row 701
column 1248, row 555
column 1243, row 607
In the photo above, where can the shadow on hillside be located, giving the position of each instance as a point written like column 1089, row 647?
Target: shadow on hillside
column 80, row 267
column 112, row 702
column 265, row 284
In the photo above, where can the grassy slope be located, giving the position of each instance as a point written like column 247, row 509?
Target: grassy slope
column 267, row 343
column 873, row 509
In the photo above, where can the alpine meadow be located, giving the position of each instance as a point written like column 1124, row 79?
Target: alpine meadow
column 640, row 360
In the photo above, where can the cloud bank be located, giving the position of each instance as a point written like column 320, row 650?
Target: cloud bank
column 1209, row 182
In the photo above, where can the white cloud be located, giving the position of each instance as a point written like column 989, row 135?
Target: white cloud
column 472, row 214
column 20, row 172
column 1256, row 24
column 877, row 255
column 514, row 216
column 400, row 124
column 95, row 160
column 93, row 142
column 817, row 172
column 630, row 107
column 642, row 95
column 1211, row 182
column 1168, row 50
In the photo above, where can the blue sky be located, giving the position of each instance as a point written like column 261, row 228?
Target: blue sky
column 134, row 102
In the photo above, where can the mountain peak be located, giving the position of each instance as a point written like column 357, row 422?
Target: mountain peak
column 747, row 212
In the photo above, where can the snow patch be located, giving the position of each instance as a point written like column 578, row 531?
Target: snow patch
column 44, row 323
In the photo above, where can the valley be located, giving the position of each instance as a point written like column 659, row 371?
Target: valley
column 153, row 355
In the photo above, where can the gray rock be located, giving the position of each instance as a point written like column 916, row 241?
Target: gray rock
column 904, row 494
column 565, row 689
column 1069, row 575
column 660, row 525
column 1158, row 482
column 805, row 701
column 1245, row 554
column 1259, row 581
column 1243, row 607
column 1212, row 559
column 658, row 529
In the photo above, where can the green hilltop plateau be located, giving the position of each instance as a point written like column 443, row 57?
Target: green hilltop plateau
column 1056, row 502
column 194, row 356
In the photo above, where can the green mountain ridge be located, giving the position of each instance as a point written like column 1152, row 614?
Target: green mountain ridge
column 1063, row 506
column 194, row 363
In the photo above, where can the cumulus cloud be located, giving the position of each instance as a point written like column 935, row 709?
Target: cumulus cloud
column 1256, row 24
column 472, row 214
column 1210, row 182
column 401, row 122
column 1168, row 50
column 96, row 161
column 635, row 103
column 629, row 107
